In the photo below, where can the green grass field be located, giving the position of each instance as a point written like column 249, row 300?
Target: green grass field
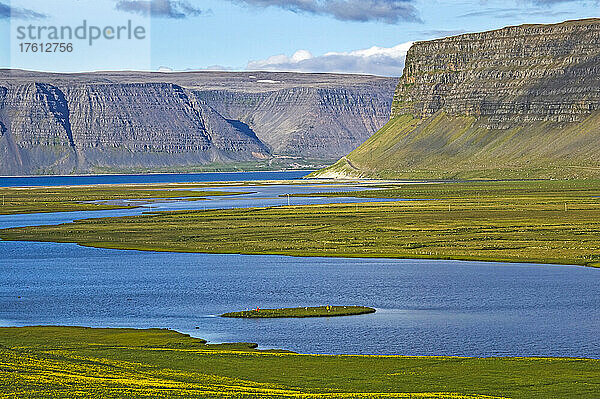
column 532, row 221
column 302, row 312
column 71, row 362
column 79, row 198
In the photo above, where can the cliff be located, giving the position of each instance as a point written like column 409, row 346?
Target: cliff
column 521, row 101
column 94, row 122
column 308, row 122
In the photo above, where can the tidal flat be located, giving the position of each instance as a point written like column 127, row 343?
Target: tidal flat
column 25, row 200
column 554, row 222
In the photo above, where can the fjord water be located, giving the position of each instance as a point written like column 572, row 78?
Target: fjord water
column 424, row 307
column 75, row 180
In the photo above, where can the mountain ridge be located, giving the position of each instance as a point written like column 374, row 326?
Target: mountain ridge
column 109, row 121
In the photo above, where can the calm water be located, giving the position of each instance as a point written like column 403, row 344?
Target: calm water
column 153, row 178
column 424, row 307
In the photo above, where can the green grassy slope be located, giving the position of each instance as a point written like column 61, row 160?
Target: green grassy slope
column 447, row 147
column 71, row 362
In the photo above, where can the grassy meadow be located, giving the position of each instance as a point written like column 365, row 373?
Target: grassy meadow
column 71, row 362
column 525, row 221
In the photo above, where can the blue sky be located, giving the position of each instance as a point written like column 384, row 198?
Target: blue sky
column 357, row 36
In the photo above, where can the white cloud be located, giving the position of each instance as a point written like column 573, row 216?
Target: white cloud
column 385, row 61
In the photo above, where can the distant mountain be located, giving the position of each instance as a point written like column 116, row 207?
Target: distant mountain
column 112, row 121
column 519, row 102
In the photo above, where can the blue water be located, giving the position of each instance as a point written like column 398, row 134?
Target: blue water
column 424, row 307
column 152, row 178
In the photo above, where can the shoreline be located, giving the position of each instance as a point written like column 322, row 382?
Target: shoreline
column 253, row 345
column 552, row 223
column 155, row 174
column 316, row 255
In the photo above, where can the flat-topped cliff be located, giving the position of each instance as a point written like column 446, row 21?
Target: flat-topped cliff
column 108, row 121
column 522, row 101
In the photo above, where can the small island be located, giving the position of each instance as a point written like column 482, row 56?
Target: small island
column 301, row 312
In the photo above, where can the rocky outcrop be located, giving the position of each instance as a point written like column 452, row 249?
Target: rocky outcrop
column 514, row 75
column 521, row 101
column 72, row 123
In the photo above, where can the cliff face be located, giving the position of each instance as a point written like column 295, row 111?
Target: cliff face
column 514, row 75
column 307, row 121
column 521, row 101
column 54, row 123
column 99, row 126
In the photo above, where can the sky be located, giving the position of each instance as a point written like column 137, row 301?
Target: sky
column 346, row 36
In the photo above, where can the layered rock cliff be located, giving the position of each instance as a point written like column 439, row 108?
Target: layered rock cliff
column 309, row 122
column 73, row 123
column 521, row 101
